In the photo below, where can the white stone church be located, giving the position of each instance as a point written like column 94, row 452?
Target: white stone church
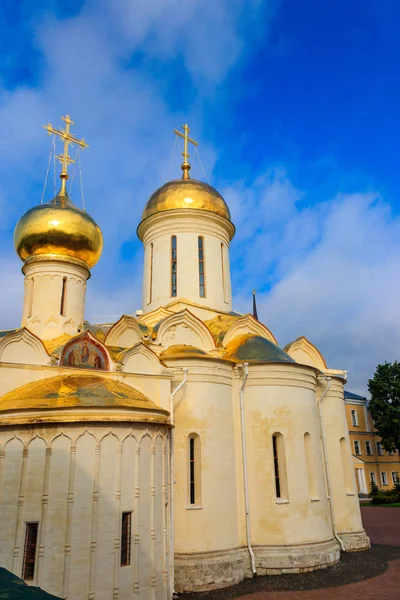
column 180, row 449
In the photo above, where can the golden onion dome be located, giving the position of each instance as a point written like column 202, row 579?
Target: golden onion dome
column 186, row 193
column 58, row 228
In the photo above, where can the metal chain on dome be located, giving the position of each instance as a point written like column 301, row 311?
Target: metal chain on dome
column 52, row 151
column 201, row 164
column 198, row 156
column 80, row 177
column 54, row 167
column 73, row 173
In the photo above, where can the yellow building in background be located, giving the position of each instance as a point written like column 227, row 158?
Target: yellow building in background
column 372, row 463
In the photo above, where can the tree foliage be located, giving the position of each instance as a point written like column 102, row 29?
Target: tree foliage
column 385, row 404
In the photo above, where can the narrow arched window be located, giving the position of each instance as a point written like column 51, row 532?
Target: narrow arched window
column 151, row 274
column 278, row 447
column 174, row 266
column 346, row 466
column 63, row 296
column 194, row 470
column 223, row 272
column 202, row 275
column 30, row 283
column 310, row 461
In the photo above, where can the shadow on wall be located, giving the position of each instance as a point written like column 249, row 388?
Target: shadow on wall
column 100, row 501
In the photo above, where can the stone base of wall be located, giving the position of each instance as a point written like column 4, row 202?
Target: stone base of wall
column 276, row 560
column 211, row 570
column 355, row 541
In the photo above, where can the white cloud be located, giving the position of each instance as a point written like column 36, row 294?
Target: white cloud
column 89, row 69
column 333, row 265
column 205, row 33
column 338, row 276
column 11, row 292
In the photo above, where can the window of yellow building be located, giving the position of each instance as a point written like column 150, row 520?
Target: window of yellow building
column 354, row 418
column 368, row 448
column 357, row 448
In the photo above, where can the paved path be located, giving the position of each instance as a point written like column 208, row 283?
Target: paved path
column 383, row 527
column 370, row 575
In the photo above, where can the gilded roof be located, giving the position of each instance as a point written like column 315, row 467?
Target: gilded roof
column 287, row 346
column 186, row 193
column 219, row 325
column 55, row 345
column 58, row 228
column 99, row 330
column 68, row 391
column 7, row 332
column 183, row 351
column 254, row 349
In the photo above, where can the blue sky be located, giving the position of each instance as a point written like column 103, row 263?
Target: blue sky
column 295, row 106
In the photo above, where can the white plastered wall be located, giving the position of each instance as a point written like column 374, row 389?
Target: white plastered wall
column 345, row 498
column 76, row 482
column 187, row 226
column 281, row 399
column 43, row 287
column 204, row 407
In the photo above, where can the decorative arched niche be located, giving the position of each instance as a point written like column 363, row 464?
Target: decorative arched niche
column 305, row 353
column 140, row 359
column 248, row 324
column 186, row 329
column 152, row 318
column 124, row 333
column 22, row 346
column 85, row 352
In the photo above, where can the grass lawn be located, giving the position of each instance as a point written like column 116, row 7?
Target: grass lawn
column 394, row 505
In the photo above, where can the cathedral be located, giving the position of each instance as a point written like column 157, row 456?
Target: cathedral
column 179, row 449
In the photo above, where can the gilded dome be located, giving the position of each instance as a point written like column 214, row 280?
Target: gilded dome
column 186, row 193
column 93, row 393
column 254, row 349
column 58, row 228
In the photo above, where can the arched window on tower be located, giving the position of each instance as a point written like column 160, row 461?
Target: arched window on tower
column 30, row 284
column 202, row 274
column 63, row 297
column 174, row 266
column 278, row 447
column 194, row 470
column 223, row 272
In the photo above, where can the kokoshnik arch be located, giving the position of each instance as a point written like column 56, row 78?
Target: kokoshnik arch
column 98, row 420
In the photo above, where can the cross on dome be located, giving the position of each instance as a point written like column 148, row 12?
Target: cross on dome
column 68, row 138
column 186, row 140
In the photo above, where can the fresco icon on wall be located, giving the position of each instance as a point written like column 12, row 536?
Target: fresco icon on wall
column 84, row 353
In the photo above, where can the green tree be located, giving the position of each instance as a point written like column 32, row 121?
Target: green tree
column 373, row 490
column 385, row 404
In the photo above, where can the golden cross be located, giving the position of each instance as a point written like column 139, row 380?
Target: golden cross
column 185, row 165
column 68, row 138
